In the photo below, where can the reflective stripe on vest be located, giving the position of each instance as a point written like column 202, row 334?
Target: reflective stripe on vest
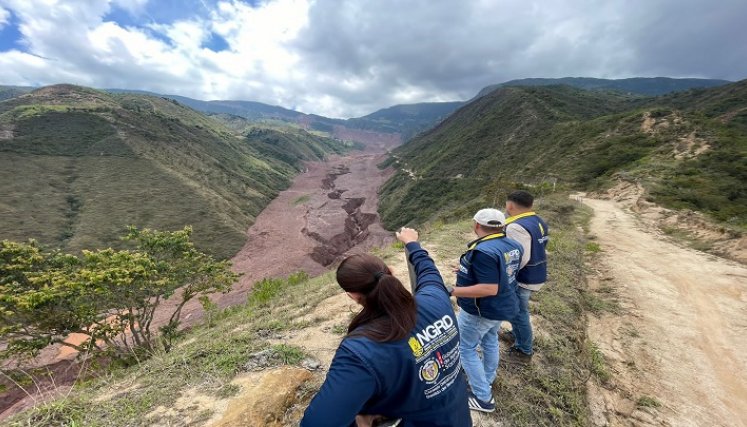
column 474, row 244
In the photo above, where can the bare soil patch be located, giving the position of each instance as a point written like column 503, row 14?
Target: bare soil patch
column 265, row 399
column 690, row 146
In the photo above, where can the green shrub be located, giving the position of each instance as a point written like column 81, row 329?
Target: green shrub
column 648, row 402
column 45, row 296
column 290, row 355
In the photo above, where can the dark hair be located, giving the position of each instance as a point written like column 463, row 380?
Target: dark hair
column 388, row 308
column 521, row 198
column 491, row 230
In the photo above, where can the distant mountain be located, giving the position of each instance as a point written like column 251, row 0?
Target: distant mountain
column 403, row 120
column 688, row 150
column 247, row 109
column 7, row 92
column 407, row 119
column 78, row 165
column 638, row 85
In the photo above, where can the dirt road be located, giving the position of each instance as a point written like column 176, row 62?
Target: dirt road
column 681, row 335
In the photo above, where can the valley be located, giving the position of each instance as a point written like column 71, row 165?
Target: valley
column 634, row 328
column 330, row 210
column 216, row 181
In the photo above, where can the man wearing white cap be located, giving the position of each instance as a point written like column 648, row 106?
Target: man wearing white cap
column 486, row 294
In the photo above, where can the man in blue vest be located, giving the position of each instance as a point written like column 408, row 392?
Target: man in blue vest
column 486, row 293
column 525, row 227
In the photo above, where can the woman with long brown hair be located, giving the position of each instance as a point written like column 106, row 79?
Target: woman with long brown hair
column 400, row 358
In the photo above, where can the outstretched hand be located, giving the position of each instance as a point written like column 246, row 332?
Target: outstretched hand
column 406, row 235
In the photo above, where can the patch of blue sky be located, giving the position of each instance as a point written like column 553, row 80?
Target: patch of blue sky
column 11, row 37
column 216, row 43
column 169, row 11
column 125, row 18
column 159, row 12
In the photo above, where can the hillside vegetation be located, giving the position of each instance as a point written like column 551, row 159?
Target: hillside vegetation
column 687, row 149
column 300, row 321
column 78, row 165
column 651, row 86
column 406, row 119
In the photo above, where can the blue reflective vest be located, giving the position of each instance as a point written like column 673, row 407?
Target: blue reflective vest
column 507, row 254
column 535, row 271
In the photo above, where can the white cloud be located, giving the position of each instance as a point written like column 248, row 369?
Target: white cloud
column 350, row 58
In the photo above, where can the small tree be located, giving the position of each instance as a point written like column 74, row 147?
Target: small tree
column 184, row 269
column 110, row 296
column 32, row 315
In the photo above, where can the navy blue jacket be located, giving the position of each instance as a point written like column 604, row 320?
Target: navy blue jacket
column 417, row 379
column 535, row 271
column 491, row 259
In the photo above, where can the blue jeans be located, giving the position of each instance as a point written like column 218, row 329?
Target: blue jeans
column 477, row 331
column 521, row 325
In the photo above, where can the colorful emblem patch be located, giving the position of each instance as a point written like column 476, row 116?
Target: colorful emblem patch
column 429, row 371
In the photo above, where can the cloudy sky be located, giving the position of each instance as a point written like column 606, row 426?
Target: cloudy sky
column 346, row 58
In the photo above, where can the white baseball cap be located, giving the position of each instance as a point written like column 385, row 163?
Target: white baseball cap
column 490, row 217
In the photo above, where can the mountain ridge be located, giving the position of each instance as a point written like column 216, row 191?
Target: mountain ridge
column 687, row 149
column 404, row 120
column 650, row 86
column 82, row 164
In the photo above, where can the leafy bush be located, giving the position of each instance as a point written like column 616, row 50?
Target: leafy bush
column 267, row 289
column 109, row 296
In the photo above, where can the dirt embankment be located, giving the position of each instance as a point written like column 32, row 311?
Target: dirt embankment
column 678, row 341
column 685, row 224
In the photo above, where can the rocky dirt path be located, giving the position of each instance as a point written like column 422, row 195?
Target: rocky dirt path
column 679, row 339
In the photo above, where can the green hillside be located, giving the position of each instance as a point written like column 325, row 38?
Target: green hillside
column 77, row 165
column 406, row 119
column 687, row 149
column 651, row 86
column 295, row 321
